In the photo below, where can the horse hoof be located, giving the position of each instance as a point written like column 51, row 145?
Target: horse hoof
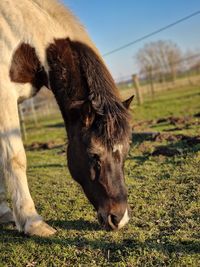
column 7, row 218
column 39, row 229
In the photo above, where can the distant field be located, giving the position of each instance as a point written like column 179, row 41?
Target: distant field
column 163, row 180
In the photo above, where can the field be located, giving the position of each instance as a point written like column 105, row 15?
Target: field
column 162, row 176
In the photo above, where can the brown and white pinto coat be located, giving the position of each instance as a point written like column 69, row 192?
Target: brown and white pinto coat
column 43, row 44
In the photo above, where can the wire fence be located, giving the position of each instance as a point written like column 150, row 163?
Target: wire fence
column 33, row 109
column 144, row 85
column 151, row 80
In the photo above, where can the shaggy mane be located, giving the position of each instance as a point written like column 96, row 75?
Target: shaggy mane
column 112, row 119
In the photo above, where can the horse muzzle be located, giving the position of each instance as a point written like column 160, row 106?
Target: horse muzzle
column 113, row 221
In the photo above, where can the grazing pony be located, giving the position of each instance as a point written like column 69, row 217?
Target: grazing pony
column 43, row 44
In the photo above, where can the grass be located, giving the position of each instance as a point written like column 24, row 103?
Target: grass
column 164, row 196
column 177, row 102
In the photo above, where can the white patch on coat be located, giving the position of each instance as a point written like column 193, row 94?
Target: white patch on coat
column 117, row 147
column 121, row 224
column 124, row 220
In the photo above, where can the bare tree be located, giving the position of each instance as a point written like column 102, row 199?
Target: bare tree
column 192, row 61
column 159, row 60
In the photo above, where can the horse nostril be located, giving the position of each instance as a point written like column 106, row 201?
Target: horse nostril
column 115, row 219
column 118, row 221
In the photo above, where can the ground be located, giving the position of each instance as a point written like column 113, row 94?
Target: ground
column 162, row 176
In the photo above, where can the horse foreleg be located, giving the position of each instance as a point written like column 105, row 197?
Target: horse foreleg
column 6, row 215
column 13, row 162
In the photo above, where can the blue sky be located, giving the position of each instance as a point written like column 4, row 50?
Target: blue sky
column 113, row 23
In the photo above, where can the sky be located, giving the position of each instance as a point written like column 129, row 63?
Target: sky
column 113, row 23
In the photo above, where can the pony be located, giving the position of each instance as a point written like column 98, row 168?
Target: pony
column 42, row 44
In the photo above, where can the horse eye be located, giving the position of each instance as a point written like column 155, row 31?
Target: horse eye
column 94, row 158
column 98, row 165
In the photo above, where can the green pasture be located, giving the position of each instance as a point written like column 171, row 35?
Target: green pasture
column 164, row 195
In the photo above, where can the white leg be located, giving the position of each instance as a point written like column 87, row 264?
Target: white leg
column 6, row 215
column 13, row 162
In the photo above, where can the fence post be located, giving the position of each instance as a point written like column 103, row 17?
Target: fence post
column 151, row 81
column 22, row 123
column 137, row 89
column 33, row 111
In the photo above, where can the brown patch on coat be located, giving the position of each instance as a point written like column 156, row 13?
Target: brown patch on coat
column 26, row 67
column 65, row 74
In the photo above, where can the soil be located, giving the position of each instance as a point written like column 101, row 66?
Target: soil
column 42, row 146
column 197, row 115
column 166, row 151
column 179, row 122
column 160, row 137
column 140, row 136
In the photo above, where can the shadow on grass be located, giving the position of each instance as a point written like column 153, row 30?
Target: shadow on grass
column 79, row 225
column 55, row 125
column 179, row 148
column 181, row 145
column 126, row 247
column 139, row 138
column 189, row 246
column 138, row 159
column 42, row 166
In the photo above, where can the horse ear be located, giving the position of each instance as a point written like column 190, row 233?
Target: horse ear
column 87, row 114
column 128, row 101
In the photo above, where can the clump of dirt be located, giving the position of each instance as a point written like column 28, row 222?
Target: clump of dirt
column 141, row 136
column 191, row 140
column 42, row 146
column 174, row 120
column 171, row 151
column 155, row 136
column 145, row 148
column 179, row 120
column 180, row 123
column 162, row 120
column 63, row 151
column 160, row 137
column 143, row 125
column 174, row 129
column 197, row 115
column 146, row 143
column 166, row 151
